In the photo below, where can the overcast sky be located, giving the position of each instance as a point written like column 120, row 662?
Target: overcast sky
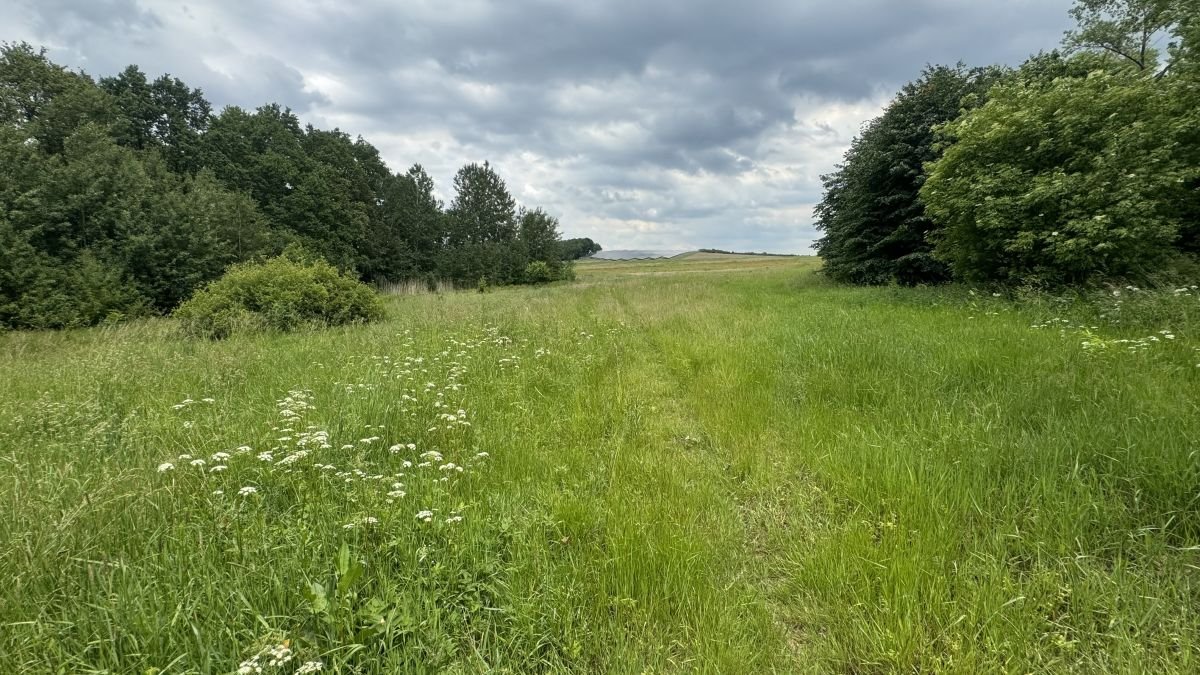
column 673, row 124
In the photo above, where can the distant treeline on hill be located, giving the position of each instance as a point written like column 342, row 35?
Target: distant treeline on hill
column 574, row 249
column 717, row 250
column 121, row 196
column 1078, row 167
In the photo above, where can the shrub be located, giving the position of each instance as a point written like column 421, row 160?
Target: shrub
column 539, row 272
column 1073, row 181
column 283, row 293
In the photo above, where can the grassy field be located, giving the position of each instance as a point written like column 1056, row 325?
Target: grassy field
column 716, row 464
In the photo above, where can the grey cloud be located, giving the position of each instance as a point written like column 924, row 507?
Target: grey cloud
column 672, row 122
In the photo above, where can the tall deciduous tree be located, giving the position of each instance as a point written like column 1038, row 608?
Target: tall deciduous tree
column 165, row 114
column 538, row 232
column 1127, row 30
column 483, row 209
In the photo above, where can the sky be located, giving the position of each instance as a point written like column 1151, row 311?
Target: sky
column 668, row 124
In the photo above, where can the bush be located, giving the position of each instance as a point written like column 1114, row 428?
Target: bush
column 283, row 293
column 539, row 272
column 1073, row 181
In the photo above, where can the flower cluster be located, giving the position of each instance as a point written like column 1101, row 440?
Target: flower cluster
column 419, row 456
column 274, row 656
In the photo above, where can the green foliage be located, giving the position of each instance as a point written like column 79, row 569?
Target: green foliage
column 165, row 114
column 539, row 272
column 96, row 204
column 483, row 211
column 1124, row 30
column 538, row 234
column 574, row 249
column 1067, row 181
column 1076, row 169
column 876, row 229
column 284, row 293
column 122, row 197
column 45, row 101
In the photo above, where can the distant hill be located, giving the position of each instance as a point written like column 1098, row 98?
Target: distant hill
column 635, row 255
column 717, row 250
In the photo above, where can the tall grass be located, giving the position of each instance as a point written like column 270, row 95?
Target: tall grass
column 669, row 467
column 415, row 287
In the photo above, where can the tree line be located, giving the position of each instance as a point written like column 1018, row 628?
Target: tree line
column 121, row 196
column 1080, row 166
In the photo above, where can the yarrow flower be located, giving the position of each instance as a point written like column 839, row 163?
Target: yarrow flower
column 309, row 667
column 425, row 515
column 165, row 466
column 247, row 490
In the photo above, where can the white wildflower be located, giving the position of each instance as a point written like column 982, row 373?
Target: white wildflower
column 165, row 466
column 247, row 490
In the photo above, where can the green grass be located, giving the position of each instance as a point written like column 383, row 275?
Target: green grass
column 714, row 465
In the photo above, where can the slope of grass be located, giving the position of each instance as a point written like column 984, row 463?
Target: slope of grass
column 714, row 465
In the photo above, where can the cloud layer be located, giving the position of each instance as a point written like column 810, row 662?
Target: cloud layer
column 674, row 124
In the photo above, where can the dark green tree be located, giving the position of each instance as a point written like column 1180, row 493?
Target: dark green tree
column 482, row 230
column 483, row 210
column 46, row 100
column 538, row 233
column 574, row 249
column 164, row 114
column 875, row 227
column 411, row 228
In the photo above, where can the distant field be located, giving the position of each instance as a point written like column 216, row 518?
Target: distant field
column 713, row 464
column 691, row 263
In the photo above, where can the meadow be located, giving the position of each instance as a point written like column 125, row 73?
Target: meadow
column 708, row 464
